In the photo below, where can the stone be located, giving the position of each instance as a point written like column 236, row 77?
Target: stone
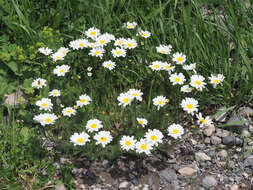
column 201, row 156
column 193, row 141
column 232, row 140
column 251, row 128
column 124, row 185
column 245, row 111
column 238, row 125
column 248, row 162
column 187, row 171
column 209, row 181
column 207, row 140
column 223, row 154
column 221, row 133
column 60, row 187
column 245, row 133
column 209, row 130
column 153, row 181
column 168, row 174
column 215, row 140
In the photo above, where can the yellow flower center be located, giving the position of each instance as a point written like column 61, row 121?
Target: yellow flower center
column 120, row 42
column 202, row 120
column 216, row 81
column 168, row 67
column 54, row 93
column 128, row 143
column 93, row 33
column 143, row 147
column 160, row 102
column 97, row 52
column 64, row 52
column 135, row 94
column 109, row 64
column 58, row 57
column 83, row 100
column 153, row 137
column 103, row 139
column 44, row 105
column 144, row 35
column 129, row 45
column 177, row 79
column 163, row 51
column 175, row 131
column 62, row 71
column 69, row 111
column 125, row 100
column 189, row 106
column 140, row 122
column 80, row 140
column 130, row 26
column 180, row 59
column 81, row 45
column 48, row 120
column 118, row 52
column 198, row 82
column 157, row 66
column 102, row 41
column 93, row 125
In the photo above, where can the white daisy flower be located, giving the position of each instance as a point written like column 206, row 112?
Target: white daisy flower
column 157, row 65
column 179, row 58
column 45, row 50
column 144, row 34
column 89, row 69
column 61, row 70
column 142, row 121
column 168, row 67
column 93, row 125
column 197, row 81
column 135, row 94
column 102, row 40
column 89, row 74
column 80, row 139
column 110, row 37
column 97, row 52
column 83, row 43
column 186, row 89
column 103, row 138
column 127, row 143
column 160, row 101
column 83, row 100
column 109, row 65
column 215, row 80
column 63, row 51
column 175, row 130
column 120, row 42
column 204, row 121
column 45, row 118
column 74, row 44
column 57, row 56
column 130, row 44
column 118, row 52
column 38, row 83
column 92, row 33
column 154, row 137
column 68, row 111
column 190, row 105
column 130, row 25
column 164, row 49
column 191, row 67
column 44, row 104
column 177, row 78
column 124, row 99
column 55, row 93
column 143, row 146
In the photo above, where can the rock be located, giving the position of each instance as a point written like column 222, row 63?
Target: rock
column 201, row 156
column 60, row 187
column 236, row 123
column 245, row 133
column 215, row 140
column 153, row 181
column 221, row 133
column 222, row 116
column 232, row 140
column 187, row 171
column 245, row 111
column 243, row 185
column 209, row 181
column 251, row 128
column 193, row 141
column 223, row 154
column 248, row 162
column 209, row 130
column 207, row 140
column 169, row 174
column 124, row 185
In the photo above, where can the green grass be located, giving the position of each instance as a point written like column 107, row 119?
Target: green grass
column 211, row 42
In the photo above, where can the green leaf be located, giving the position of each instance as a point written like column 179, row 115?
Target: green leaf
column 25, row 133
column 234, row 123
column 14, row 67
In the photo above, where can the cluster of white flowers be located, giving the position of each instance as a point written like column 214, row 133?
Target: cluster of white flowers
column 127, row 97
column 60, row 54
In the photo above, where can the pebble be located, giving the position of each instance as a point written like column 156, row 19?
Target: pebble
column 209, row 130
column 201, row 156
column 215, row 140
column 209, row 181
column 207, row 140
column 169, row 174
column 123, row 185
column 223, row 154
column 187, row 171
column 221, row 133
column 60, row 187
column 251, row 128
column 231, row 140
column 245, row 111
column 248, row 162
column 193, row 141
column 245, row 133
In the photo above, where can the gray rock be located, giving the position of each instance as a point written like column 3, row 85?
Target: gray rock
column 153, row 181
column 187, row 171
column 235, row 187
column 209, row 130
column 215, row 140
column 245, row 133
column 207, row 140
column 251, row 128
column 221, row 133
column 223, row 154
column 169, row 174
column 201, row 156
column 232, row 140
column 237, row 126
column 248, row 162
column 124, row 185
column 60, row 187
column 245, row 111
column 209, row 181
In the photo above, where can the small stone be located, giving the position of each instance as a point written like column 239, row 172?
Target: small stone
column 251, row 128
column 201, row 156
column 207, row 140
column 236, row 123
column 223, row 154
column 245, row 111
column 193, row 141
column 187, row 171
column 250, row 142
column 209, row 181
column 243, row 185
column 60, row 187
column 209, row 130
column 169, row 174
column 248, row 162
column 215, row 140
column 245, row 133
column 221, row 133
column 232, row 140
column 124, row 185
